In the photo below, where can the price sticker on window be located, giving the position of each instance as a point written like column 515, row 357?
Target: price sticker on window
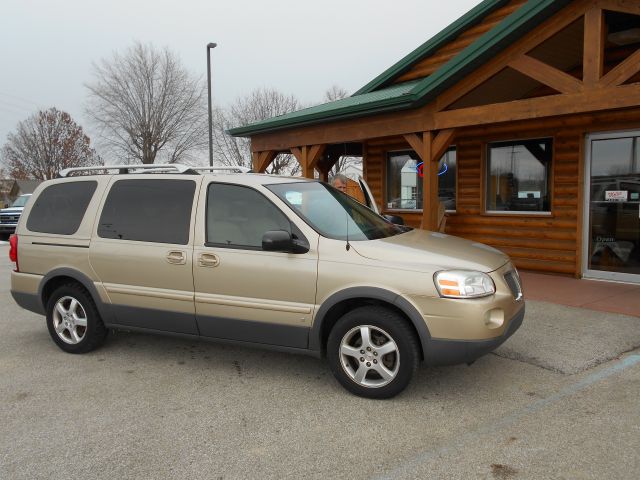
column 616, row 195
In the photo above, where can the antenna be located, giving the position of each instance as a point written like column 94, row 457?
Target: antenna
column 346, row 215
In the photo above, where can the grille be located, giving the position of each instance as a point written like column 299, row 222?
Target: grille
column 9, row 218
column 513, row 281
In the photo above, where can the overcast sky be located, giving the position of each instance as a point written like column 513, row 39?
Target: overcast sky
column 299, row 47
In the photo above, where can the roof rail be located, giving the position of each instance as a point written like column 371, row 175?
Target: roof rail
column 123, row 169
column 235, row 169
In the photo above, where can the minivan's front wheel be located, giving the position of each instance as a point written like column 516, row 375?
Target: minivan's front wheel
column 373, row 352
column 73, row 320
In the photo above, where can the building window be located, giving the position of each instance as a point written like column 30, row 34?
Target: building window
column 405, row 180
column 518, row 176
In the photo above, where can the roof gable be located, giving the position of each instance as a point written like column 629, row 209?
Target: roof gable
column 368, row 101
column 468, row 20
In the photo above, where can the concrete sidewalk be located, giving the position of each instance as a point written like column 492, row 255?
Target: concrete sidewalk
column 597, row 295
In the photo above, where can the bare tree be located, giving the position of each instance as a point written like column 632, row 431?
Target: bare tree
column 147, row 106
column 334, row 94
column 44, row 144
column 260, row 104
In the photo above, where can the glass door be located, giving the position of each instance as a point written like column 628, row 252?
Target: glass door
column 612, row 240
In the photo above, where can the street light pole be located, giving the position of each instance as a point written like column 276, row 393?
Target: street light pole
column 209, row 47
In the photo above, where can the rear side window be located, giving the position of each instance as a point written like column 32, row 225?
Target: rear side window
column 60, row 208
column 157, row 211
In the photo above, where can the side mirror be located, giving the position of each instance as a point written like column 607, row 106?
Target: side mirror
column 394, row 219
column 282, row 241
column 6, row 205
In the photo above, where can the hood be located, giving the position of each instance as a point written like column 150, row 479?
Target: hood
column 432, row 251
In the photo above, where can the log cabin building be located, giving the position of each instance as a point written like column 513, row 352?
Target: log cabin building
column 522, row 117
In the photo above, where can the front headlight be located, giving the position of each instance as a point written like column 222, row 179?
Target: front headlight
column 463, row 284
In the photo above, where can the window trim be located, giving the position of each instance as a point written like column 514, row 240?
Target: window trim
column 294, row 228
column 485, row 164
column 386, row 179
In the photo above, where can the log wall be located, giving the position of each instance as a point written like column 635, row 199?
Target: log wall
column 549, row 243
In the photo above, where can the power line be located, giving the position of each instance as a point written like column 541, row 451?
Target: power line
column 15, row 97
column 11, row 110
column 15, row 106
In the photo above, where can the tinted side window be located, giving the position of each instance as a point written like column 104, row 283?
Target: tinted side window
column 156, row 211
column 60, row 208
column 240, row 216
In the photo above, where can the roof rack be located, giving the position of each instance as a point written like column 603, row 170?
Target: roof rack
column 123, row 169
column 235, row 169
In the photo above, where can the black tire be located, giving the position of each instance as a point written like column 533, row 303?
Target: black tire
column 87, row 337
column 385, row 323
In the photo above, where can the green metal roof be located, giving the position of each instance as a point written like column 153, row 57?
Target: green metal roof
column 344, row 108
column 468, row 20
column 370, row 99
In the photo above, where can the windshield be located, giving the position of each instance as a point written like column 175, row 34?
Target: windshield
column 334, row 214
column 21, row 201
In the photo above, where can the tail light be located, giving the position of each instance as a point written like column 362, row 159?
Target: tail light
column 13, row 250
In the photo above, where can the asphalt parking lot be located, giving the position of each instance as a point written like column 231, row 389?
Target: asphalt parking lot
column 555, row 402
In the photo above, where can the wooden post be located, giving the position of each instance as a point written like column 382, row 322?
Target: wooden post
column 430, row 149
column 429, row 184
column 307, row 169
column 308, row 157
column 324, row 174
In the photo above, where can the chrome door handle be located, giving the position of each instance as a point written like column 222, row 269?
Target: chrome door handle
column 176, row 257
column 208, row 260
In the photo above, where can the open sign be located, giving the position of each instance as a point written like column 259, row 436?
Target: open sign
column 616, row 195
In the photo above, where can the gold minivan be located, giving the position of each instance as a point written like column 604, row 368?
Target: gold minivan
column 277, row 262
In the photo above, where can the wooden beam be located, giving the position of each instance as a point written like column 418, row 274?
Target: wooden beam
column 315, row 154
column 352, row 130
column 553, row 25
column 622, row 72
column 297, row 152
column 623, row 96
column 430, row 201
column 594, row 39
column 546, row 74
column 624, row 6
column 262, row 160
column 415, row 141
column 441, row 143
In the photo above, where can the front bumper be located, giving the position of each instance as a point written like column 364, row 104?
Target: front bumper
column 439, row 352
column 8, row 227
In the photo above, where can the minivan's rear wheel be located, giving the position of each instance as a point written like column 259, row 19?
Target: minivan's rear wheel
column 73, row 319
column 373, row 352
